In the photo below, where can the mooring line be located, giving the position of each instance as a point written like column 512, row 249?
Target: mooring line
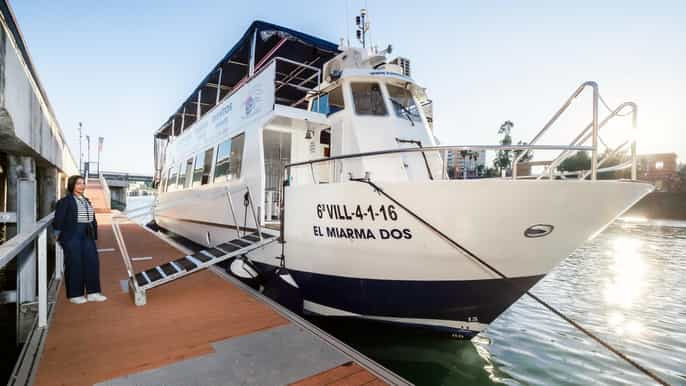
column 536, row 298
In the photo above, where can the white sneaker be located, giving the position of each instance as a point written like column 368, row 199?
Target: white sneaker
column 96, row 297
column 78, row 300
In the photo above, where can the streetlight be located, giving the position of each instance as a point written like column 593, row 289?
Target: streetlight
column 88, row 158
column 100, row 139
column 80, row 151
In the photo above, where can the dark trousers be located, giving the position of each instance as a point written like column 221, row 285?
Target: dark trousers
column 81, row 263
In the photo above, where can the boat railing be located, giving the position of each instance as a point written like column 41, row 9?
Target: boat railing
column 590, row 132
column 520, row 151
column 584, row 136
column 328, row 174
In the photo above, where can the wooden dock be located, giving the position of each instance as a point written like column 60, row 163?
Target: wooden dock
column 201, row 329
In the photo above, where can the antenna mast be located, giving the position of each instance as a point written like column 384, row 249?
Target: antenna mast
column 362, row 27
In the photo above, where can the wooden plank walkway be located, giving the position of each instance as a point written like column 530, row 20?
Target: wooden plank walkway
column 347, row 374
column 95, row 342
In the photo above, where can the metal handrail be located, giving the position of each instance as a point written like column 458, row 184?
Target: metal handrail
column 119, row 238
column 14, row 246
column 106, row 191
column 565, row 106
column 584, row 136
column 438, row 149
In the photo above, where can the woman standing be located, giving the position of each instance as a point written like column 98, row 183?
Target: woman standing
column 76, row 231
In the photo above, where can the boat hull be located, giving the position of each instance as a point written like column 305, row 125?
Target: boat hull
column 395, row 268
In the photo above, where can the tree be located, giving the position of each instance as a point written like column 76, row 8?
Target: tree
column 527, row 153
column 474, row 156
column 614, row 160
column 464, row 154
column 481, row 170
column 502, row 159
column 579, row 161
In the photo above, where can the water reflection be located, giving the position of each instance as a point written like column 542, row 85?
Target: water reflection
column 626, row 276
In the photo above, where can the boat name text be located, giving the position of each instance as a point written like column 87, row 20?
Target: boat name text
column 334, row 232
column 361, row 212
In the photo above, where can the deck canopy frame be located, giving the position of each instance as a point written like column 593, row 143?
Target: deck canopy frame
column 259, row 44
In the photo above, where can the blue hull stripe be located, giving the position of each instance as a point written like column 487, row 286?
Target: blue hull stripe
column 447, row 300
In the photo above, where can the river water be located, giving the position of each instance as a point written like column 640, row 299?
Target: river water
column 627, row 286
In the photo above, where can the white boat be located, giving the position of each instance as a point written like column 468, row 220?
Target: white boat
column 332, row 148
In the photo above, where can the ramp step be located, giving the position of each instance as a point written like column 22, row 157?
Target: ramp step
column 168, row 269
column 201, row 257
column 153, row 274
column 266, row 235
column 228, row 247
column 216, row 252
column 185, row 264
column 240, row 243
column 140, row 279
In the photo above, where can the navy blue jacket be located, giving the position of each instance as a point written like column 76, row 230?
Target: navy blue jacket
column 66, row 214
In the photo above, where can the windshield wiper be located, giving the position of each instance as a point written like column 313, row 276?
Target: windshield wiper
column 408, row 114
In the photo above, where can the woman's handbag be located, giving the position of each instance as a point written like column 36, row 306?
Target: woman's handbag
column 90, row 231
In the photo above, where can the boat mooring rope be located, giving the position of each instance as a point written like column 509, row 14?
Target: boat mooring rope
column 534, row 297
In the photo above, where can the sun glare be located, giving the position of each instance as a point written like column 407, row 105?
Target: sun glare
column 626, row 273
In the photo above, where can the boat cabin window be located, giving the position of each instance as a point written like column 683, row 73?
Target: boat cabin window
column 329, row 103
column 403, row 103
column 171, row 181
column 325, row 137
column 229, row 159
column 368, row 98
column 203, row 164
column 185, row 174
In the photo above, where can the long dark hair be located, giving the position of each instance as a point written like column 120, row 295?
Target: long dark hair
column 71, row 182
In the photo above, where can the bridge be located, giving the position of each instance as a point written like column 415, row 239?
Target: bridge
column 123, row 184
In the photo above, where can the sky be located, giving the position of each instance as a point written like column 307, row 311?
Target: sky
column 122, row 67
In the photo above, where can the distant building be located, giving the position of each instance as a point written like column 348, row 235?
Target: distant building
column 456, row 163
column 660, row 170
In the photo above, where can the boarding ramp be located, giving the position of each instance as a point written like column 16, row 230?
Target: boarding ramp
column 244, row 242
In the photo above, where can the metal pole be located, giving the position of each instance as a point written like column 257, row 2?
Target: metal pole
column 559, row 112
column 253, row 42
column 199, row 109
column 88, row 159
column 219, row 86
column 254, row 215
column 80, row 150
column 42, row 279
column 183, row 119
column 59, row 261
column 634, row 157
column 173, row 127
column 594, row 152
column 100, row 140
column 233, row 213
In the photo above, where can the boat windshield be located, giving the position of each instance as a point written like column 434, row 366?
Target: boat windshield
column 368, row 98
column 403, row 103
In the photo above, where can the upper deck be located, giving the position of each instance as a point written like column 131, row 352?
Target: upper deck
column 302, row 56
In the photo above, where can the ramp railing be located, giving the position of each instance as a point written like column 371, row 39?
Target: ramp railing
column 139, row 282
column 36, row 235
